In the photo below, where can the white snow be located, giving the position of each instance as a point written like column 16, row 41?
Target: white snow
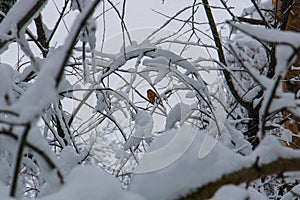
column 6, row 84
column 241, row 145
column 189, row 172
column 169, row 153
column 179, row 112
column 14, row 16
column 292, row 194
column 4, row 169
column 43, row 92
column 270, row 35
column 186, row 173
column 4, row 191
column 91, row 183
column 233, row 192
column 284, row 58
column 143, row 129
column 101, row 104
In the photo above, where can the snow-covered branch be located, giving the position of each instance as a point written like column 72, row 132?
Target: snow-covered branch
column 193, row 178
column 246, row 175
column 17, row 18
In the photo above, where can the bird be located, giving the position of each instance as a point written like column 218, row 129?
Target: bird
column 151, row 95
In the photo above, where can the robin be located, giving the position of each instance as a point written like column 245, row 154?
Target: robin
column 151, row 96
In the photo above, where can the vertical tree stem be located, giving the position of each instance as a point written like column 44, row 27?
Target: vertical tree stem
column 221, row 56
column 19, row 156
